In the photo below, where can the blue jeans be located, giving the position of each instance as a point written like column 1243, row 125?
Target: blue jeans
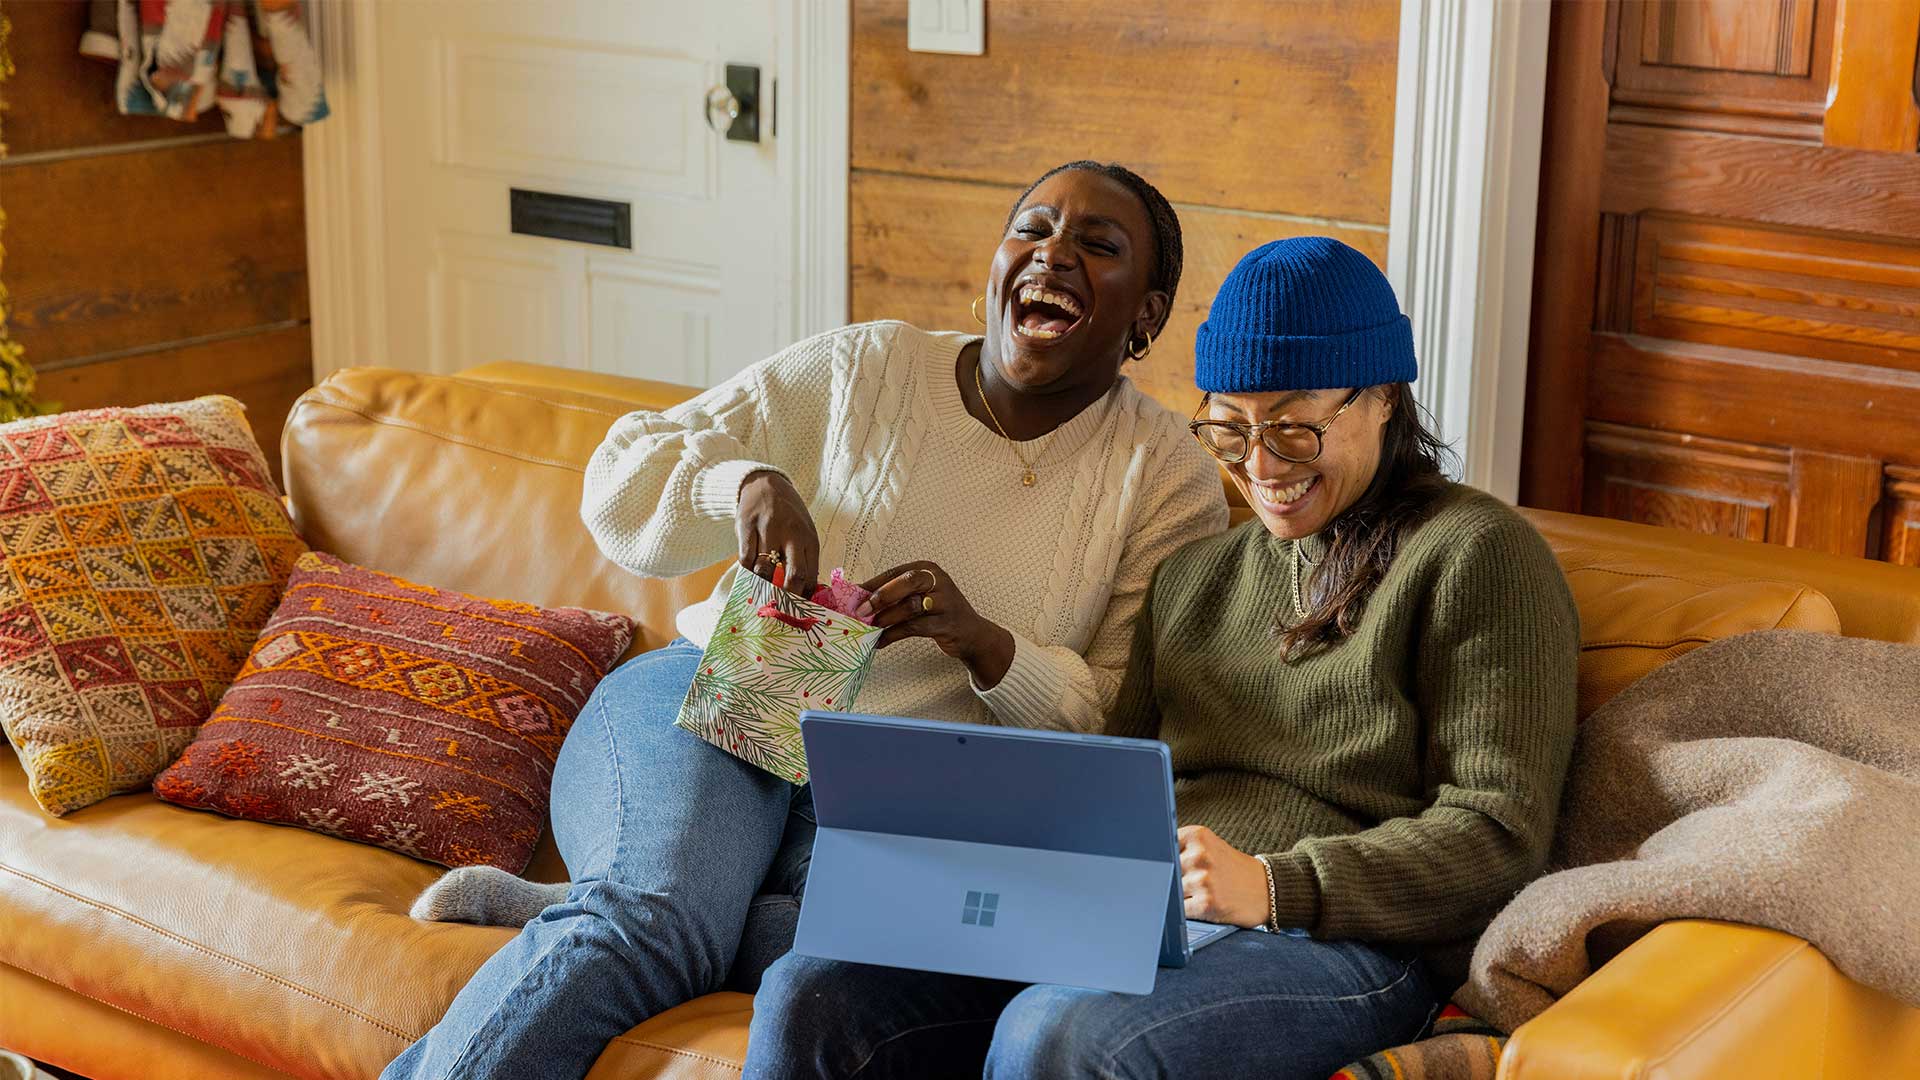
column 687, row 864
column 1276, row 1006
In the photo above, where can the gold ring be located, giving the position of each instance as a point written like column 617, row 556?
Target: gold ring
column 926, row 602
column 773, row 557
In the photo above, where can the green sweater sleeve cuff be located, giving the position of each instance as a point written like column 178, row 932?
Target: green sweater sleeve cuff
column 1296, row 890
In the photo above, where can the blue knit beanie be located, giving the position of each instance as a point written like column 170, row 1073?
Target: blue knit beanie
column 1309, row 313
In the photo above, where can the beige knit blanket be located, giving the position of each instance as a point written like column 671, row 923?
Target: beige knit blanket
column 1771, row 778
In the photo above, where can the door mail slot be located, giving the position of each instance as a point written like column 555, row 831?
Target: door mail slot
column 570, row 217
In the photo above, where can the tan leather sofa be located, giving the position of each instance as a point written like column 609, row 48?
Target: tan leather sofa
column 142, row 941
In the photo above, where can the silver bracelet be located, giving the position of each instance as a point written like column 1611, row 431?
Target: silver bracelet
column 1273, row 897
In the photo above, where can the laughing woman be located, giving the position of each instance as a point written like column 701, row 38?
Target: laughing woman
column 1019, row 492
column 1368, row 692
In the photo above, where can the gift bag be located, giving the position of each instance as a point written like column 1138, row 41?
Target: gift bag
column 773, row 654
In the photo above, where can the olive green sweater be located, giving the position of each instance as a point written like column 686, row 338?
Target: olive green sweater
column 1406, row 779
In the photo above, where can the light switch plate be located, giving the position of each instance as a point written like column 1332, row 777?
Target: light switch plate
column 947, row 26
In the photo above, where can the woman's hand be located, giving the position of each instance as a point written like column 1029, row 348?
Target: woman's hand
column 776, row 530
column 1221, row 883
column 918, row 599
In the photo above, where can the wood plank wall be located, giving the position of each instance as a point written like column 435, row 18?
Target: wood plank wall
column 1257, row 120
column 149, row 260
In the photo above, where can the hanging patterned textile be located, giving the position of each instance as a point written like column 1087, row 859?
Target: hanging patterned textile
column 178, row 58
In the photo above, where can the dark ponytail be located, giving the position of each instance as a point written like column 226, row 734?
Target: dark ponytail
column 1363, row 541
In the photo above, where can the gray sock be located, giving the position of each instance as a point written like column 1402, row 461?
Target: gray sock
column 486, row 895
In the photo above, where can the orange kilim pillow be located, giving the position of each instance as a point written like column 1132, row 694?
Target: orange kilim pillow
column 400, row 715
column 143, row 550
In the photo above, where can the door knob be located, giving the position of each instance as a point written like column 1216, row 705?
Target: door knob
column 733, row 107
column 722, row 103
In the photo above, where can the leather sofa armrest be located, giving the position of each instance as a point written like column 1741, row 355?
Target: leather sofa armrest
column 1699, row 1000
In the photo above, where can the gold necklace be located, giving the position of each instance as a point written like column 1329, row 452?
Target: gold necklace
column 1027, row 479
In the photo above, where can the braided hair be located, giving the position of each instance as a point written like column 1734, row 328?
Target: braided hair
column 1167, row 251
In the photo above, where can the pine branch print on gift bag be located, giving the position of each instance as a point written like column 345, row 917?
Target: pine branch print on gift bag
column 759, row 671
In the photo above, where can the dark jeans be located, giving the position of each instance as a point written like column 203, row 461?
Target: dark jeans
column 1276, row 1006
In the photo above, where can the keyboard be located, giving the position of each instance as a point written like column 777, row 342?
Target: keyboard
column 1198, row 930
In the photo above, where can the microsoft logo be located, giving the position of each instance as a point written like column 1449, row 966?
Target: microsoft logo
column 980, row 908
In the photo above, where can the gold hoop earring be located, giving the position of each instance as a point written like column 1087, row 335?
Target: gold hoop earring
column 975, row 308
column 1136, row 357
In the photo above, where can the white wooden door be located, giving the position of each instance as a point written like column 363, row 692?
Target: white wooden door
column 603, row 99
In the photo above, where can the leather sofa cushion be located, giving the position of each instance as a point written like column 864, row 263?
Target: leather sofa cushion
column 284, row 947
column 466, row 485
column 1871, row 599
column 1636, row 616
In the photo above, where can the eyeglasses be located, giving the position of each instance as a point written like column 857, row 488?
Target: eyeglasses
column 1288, row 440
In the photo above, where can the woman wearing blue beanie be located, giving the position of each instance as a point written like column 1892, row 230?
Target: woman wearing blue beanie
column 1368, row 691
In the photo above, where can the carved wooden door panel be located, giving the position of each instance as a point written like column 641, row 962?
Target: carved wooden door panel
column 1726, row 326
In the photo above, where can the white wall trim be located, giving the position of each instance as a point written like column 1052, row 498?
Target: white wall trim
column 814, row 152
column 1466, row 177
column 346, row 237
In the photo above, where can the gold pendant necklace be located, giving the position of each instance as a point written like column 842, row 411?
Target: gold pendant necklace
column 1027, row 478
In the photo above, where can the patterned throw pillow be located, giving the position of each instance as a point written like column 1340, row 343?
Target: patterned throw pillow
column 396, row 714
column 144, row 548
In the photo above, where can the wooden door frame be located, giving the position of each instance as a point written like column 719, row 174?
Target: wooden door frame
column 346, row 211
column 1460, row 251
column 815, row 155
column 346, row 232
column 1572, row 168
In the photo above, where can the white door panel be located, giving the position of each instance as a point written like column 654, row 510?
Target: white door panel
column 504, row 297
column 624, row 119
column 596, row 99
column 636, row 309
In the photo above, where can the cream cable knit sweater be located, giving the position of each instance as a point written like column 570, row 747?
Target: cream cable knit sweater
column 868, row 424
